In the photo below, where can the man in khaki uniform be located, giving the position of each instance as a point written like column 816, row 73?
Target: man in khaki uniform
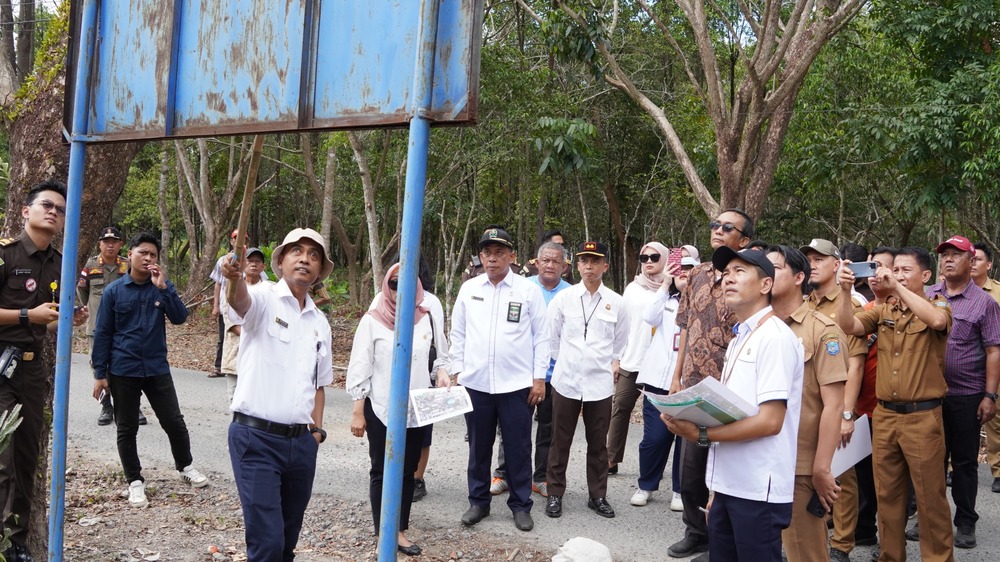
column 825, row 372
column 908, row 427
column 982, row 264
column 97, row 274
column 825, row 262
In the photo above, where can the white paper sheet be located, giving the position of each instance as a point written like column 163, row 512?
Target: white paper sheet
column 859, row 448
column 430, row 405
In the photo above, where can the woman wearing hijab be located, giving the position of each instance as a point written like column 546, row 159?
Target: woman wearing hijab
column 638, row 296
column 368, row 380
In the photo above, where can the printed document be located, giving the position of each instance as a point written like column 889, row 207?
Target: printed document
column 709, row 403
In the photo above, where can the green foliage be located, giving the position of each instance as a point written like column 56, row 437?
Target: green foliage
column 51, row 56
column 564, row 144
column 573, row 42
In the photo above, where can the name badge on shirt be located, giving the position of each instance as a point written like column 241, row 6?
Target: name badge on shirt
column 280, row 322
column 514, row 312
column 889, row 323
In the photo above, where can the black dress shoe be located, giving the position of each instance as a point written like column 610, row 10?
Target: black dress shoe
column 419, row 489
column 412, row 550
column 142, row 419
column 107, row 415
column 613, row 469
column 523, row 520
column 688, row 546
column 553, row 508
column 913, row 533
column 475, row 514
column 601, row 507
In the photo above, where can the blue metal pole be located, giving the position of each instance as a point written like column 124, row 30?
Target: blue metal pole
column 67, row 280
column 413, row 207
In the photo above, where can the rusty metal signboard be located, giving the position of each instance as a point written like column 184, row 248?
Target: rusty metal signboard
column 186, row 68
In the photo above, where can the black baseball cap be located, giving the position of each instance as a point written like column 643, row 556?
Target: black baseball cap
column 592, row 249
column 252, row 251
column 725, row 254
column 110, row 232
column 496, row 236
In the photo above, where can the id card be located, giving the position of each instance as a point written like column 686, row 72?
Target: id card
column 514, row 312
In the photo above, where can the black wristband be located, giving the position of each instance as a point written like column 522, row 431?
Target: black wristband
column 23, row 316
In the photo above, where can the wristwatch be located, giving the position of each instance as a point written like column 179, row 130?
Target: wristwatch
column 321, row 431
column 848, row 415
column 992, row 396
column 703, row 436
column 23, row 316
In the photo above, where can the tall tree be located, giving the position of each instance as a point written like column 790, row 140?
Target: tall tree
column 744, row 61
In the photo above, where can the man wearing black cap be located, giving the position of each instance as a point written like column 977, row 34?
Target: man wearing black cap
column 588, row 327
column 499, row 347
column 97, row 274
column 751, row 463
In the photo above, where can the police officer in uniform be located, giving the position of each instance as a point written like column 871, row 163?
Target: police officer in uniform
column 29, row 287
column 97, row 274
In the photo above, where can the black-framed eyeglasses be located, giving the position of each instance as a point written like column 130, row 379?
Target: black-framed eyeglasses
column 643, row 258
column 726, row 227
column 49, row 205
column 393, row 284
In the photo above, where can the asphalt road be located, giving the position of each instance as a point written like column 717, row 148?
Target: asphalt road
column 636, row 534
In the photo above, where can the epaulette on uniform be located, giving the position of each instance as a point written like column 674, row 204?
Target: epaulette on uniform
column 823, row 318
column 4, row 242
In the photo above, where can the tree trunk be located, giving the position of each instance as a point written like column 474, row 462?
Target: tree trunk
column 374, row 245
column 161, row 203
column 25, row 40
column 38, row 153
column 8, row 59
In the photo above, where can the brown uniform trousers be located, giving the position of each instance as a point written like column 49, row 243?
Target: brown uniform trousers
column 910, row 446
column 825, row 352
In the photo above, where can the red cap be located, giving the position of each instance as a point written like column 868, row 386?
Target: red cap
column 959, row 243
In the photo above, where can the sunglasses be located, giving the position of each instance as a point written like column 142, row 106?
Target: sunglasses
column 49, row 205
column 726, row 227
column 393, row 284
column 643, row 258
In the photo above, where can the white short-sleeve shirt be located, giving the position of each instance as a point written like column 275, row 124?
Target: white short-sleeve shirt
column 285, row 355
column 761, row 365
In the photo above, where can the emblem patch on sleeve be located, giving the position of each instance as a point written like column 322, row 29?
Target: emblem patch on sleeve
column 832, row 347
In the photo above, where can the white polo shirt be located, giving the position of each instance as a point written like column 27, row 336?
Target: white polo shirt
column 499, row 337
column 661, row 356
column 761, row 365
column 583, row 360
column 284, row 356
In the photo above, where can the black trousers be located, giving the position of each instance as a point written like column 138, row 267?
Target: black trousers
column 694, row 492
column 218, row 346
column 159, row 391
column 961, row 439
column 376, row 452
column 867, row 500
column 19, row 460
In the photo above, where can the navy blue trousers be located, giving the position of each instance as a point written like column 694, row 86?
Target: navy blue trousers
column 274, row 476
column 513, row 414
column 742, row 530
column 654, row 449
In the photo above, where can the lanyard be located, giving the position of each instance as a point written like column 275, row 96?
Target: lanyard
column 732, row 364
column 586, row 319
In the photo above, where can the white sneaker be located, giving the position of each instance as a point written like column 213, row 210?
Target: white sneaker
column 137, row 494
column 676, row 504
column 640, row 497
column 191, row 475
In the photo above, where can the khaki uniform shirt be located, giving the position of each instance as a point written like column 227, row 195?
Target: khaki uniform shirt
column 709, row 324
column 827, row 306
column 94, row 277
column 993, row 288
column 26, row 278
column 824, row 346
column 910, row 353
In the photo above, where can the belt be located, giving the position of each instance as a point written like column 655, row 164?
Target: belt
column 910, row 407
column 282, row 429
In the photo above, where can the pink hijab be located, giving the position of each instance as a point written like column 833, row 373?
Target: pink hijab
column 653, row 282
column 385, row 310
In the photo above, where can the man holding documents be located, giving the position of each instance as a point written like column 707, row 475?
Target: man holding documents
column 588, row 327
column 908, row 431
column 822, row 401
column 750, row 467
